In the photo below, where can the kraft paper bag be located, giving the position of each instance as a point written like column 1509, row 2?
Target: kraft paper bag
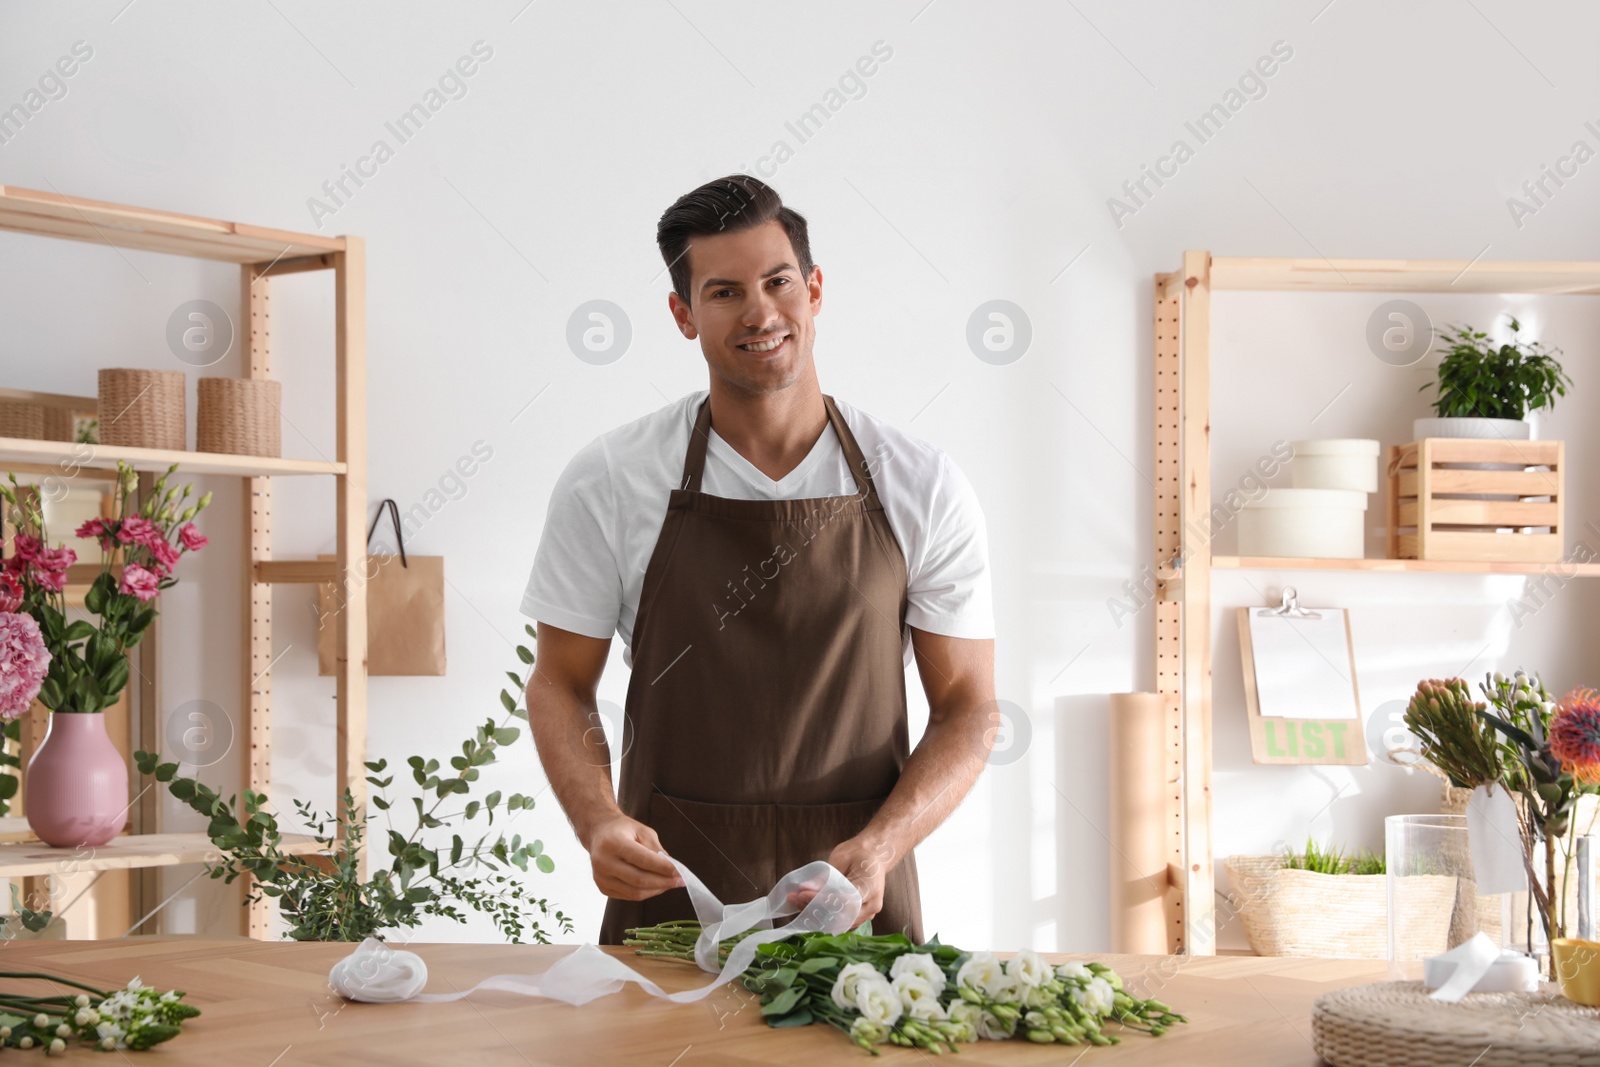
column 405, row 611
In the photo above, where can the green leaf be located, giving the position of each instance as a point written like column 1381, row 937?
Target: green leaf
column 79, row 630
column 506, row 735
column 524, row 654
column 784, row 1002
column 800, row 1017
column 508, row 700
column 492, row 800
column 544, row 863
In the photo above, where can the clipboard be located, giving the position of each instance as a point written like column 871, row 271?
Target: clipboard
column 1303, row 703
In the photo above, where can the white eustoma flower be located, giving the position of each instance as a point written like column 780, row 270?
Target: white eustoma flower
column 844, row 987
column 918, row 997
column 982, row 972
column 1074, row 972
column 1008, row 990
column 1097, row 996
column 993, row 1029
column 1039, row 997
column 920, row 964
column 873, row 1032
column 877, row 1000
column 966, row 1018
column 1029, row 967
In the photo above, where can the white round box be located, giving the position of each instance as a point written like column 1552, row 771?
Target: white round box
column 1300, row 522
column 1335, row 463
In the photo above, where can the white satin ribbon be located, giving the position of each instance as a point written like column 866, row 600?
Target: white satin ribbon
column 1478, row 966
column 377, row 973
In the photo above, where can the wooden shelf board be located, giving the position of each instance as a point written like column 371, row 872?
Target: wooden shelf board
column 119, row 226
column 16, row 828
column 1270, row 563
column 55, row 456
column 1404, row 275
column 19, row 859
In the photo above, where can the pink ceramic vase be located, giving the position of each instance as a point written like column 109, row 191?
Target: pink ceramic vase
column 76, row 789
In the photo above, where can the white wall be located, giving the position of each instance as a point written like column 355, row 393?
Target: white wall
column 977, row 165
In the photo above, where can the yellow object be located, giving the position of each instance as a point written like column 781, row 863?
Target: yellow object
column 1578, row 969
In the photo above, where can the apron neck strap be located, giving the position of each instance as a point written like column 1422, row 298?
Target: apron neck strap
column 694, row 461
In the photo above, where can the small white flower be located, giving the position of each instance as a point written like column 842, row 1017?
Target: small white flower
column 918, row 997
column 981, row 971
column 1073, row 972
column 877, row 1000
column 844, row 987
column 993, row 1029
column 966, row 1018
column 1039, row 997
column 920, row 964
column 1030, row 967
column 874, row 1033
column 1008, row 990
column 1097, row 996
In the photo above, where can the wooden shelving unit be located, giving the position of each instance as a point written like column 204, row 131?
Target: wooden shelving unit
column 1183, row 496
column 262, row 254
column 1396, row 566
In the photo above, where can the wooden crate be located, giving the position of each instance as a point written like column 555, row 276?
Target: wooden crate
column 1514, row 513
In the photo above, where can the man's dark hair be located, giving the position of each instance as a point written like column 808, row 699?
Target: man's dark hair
column 727, row 205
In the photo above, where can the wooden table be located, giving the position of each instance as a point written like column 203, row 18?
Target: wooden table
column 268, row 1003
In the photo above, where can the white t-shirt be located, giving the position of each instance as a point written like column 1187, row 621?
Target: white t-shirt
column 608, row 505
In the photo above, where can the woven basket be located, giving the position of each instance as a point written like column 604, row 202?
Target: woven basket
column 19, row 418
column 1396, row 1024
column 1287, row 912
column 239, row 416
column 60, row 424
column 142, row 409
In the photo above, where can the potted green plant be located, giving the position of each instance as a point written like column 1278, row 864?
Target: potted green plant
column 1487, row 389
column 1323, row 902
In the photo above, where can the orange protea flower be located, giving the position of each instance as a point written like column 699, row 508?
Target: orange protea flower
column 1575, row 735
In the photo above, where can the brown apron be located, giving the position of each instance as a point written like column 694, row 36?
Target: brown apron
column 766, row 715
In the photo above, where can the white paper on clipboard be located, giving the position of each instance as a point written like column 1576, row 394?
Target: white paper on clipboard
column 1303, row 665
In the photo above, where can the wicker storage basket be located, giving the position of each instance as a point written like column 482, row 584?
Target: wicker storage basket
column 1287, row 912
column 239, row 416
column 19, row 418
column 1396, row 1024
column 59, row 424
column 142, row 409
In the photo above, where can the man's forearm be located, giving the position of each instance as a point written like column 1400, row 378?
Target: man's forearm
column 941, row 771
column 572, row 747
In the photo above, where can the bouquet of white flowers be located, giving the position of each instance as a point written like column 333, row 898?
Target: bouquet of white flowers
column 884, row 988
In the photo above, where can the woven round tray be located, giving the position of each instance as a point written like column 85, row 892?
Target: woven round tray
column 1396, row 1024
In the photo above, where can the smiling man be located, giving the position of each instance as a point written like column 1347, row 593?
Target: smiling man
column 773, row 559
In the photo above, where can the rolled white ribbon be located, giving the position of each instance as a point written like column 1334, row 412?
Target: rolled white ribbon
column 379, row 974
column 1477, row 965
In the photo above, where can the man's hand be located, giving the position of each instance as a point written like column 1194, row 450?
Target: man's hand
column 866, row 862
column 628, row 861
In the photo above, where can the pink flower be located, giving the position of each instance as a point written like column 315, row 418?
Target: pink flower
column 52, row 581
column 92, row 528
column 192, row 538
column 26, row 546
column 165, row 553
column 136, row 581
column 11, row 593
column 137, row 530
column 55, row 559
column 24, row 662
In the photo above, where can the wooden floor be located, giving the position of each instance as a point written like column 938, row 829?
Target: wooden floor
column 268, row 1003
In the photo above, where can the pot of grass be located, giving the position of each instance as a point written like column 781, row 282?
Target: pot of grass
column 1324, row 902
